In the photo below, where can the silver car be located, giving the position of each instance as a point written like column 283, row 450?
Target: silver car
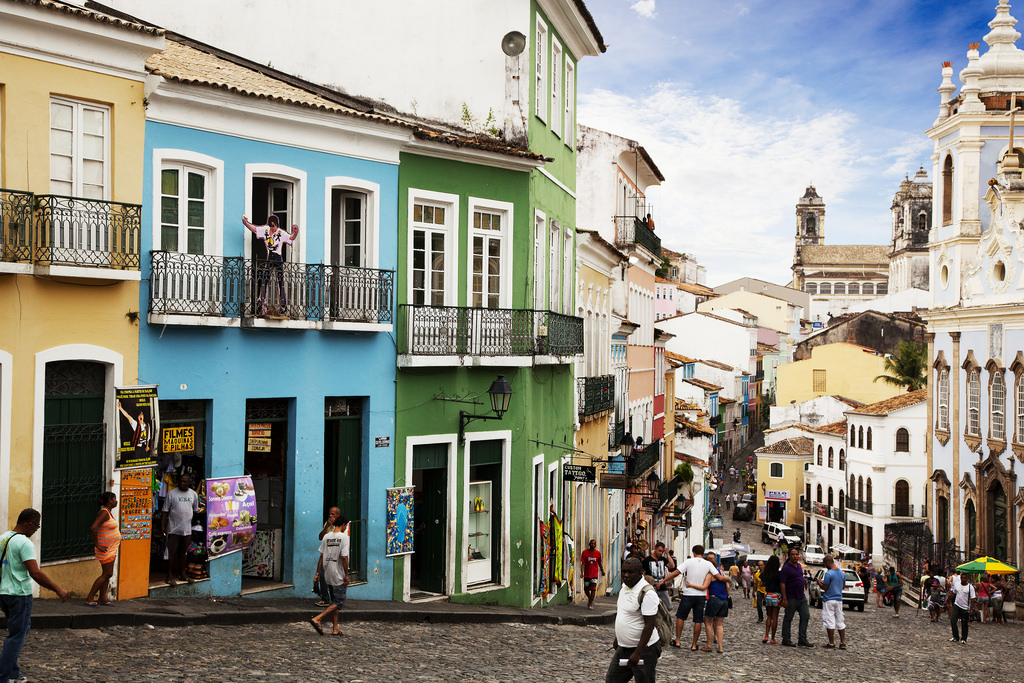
column 853, row 590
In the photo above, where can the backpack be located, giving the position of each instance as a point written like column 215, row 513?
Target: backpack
column 662, row 620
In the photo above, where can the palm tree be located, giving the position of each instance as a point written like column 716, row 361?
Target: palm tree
column 907, row 367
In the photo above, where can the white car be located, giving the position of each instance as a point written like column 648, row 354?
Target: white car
column 814, row 554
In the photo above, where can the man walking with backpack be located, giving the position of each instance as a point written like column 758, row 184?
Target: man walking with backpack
column 637, row 644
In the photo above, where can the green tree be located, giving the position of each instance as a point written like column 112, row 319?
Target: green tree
column 908, row 367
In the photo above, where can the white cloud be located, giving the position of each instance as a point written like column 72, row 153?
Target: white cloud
column 645, row 8
column 733, row 178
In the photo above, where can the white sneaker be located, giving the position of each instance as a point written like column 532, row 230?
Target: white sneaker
column 952, row 640
column 963, row 642
column 19, row 680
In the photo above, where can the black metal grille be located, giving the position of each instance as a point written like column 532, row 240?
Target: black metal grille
column 74, row 378
column 616, row 430
column 596, row 394
column 15, row 226
column 87, row 232
column 70, row 498
column 266, row 409
column 630, row 230
column 227, row 286
column 643, row 461
column 459, row 330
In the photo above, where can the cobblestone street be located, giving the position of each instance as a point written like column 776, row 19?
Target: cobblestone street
column 881, row 648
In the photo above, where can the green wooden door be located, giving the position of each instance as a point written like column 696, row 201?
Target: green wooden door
column 431, row 518
column 343, row 484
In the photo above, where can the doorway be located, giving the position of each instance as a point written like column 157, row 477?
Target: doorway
column 343, row 474
column 266, row 461
column 485, row 519
column 777, row 511
column 430, row 499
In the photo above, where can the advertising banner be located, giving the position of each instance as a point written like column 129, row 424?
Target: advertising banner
column 136, row 427
column 136, row 505
column 230, row 514
column 398, row 537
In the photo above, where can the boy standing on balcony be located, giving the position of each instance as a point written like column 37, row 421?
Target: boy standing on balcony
column 274, row 238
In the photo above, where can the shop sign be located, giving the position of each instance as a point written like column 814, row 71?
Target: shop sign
column 135, row 504
column 673, row 519
column 381, row 441
column 650, row 502
column 777, row 495
column 136, row 426
column 178, row 439
column 613, row 481
column 230, row 515
column 580, row 473
column 762, row 511
column 258, row 440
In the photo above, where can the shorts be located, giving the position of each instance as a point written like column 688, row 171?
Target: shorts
column 338, row 595
column 982, row 599
column 691, row 602
column 590, row 584
column 832, row 615
column 717, row 607
column 177, row 545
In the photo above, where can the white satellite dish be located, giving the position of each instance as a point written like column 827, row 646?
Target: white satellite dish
column 513, row 43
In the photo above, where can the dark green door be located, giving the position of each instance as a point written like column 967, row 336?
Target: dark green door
column 343, row 483
column 431, row 518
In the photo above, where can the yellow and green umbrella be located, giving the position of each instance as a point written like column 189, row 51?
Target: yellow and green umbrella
column 986, row 565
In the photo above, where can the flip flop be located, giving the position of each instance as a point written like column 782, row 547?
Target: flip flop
column 339, row 633
column 705, row 649
column 318, row 627
column 91, row 603
column 674, row 644
column 106, row 604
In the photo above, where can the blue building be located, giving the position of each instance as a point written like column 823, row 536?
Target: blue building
column 284, row 371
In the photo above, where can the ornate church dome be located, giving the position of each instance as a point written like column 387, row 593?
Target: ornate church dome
column 1002, row 66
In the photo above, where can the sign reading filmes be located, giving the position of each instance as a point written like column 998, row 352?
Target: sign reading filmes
column 580, row 473
column 136, row 426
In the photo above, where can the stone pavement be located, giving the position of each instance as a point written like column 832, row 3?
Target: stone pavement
column 379, row 646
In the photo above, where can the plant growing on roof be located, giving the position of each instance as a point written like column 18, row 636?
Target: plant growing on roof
column 685, row 475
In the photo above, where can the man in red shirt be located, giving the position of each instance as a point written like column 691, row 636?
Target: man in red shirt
column 591, row 561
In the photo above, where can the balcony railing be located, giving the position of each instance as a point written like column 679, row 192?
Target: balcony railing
column 596, row 394
column 805, row 505
column 54, row 229
column 642, row 461
column 667, row 490
column 902, row 510
column 231, row 287
column 859, row 506
column 616, row 430
column 630, row 230
column 15, row 226
column 463, row 331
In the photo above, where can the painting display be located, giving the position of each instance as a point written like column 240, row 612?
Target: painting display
column 230, row 515
column 136, row 504
column 399, row 534
column 136, row 426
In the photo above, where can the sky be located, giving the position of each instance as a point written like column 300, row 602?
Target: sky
column 742, row 104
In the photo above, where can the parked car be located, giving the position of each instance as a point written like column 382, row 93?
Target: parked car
column 814, row 554
column 798, row 529
column 743, row 512
column 776, row 531
column 853, row 591
column 748, row 498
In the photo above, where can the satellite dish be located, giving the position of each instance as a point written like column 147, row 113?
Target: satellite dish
column 513, row 43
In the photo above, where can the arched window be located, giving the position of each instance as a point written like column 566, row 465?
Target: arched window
column 882, row 288
column 811, row 287
column 869, row 438
column 974, row 403
column 819, row 456
column 902, row 440
column 943, row 400
column 807, row 492
column 831, row 458
column 860, row 437
column 839, row 288
column 947, row 190
column 854, row 288
column 860, row 488
column 1019, row 391
column 842, row 502
column 867, row 491
column 809, row 224
column 997, row 405
column 868, row 288
column 853, row 486
column 825, row 288
column 853, row 435
column 819, row 493
column 971, row 520
column 831, row 499
column 901, row 499
column 842, row 458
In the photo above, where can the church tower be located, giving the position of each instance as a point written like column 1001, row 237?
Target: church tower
column 810, row 218
column 911, row 221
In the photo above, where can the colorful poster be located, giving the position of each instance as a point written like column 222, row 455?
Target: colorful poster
column 230, row 515
column 136, row 504
column 136, row 426
column 545, row 556
column 400, row 526
column 556, row 549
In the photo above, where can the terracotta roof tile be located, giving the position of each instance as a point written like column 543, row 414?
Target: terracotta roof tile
column 845, row 254
column 833, row 428
column 95, row 15
column 895, row 403
column 686, row 405
column 695, row 427
column 767, row 348
column 699, row 290
column 716, row 364
column 679, row 357
column 796, row 425
column 707, row 386
column 797, row 445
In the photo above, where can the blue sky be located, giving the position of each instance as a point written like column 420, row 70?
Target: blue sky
column 742, row 104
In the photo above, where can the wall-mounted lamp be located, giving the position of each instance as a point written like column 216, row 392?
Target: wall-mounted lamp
column 501, row 395
column 764, row 488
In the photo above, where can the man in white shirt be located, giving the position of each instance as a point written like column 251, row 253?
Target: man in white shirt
column 636, row 638
column 963, row 597
column 179, row 506
column 332, row 568
column 694, row 571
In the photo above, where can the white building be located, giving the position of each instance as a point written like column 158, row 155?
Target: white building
column 824, row 498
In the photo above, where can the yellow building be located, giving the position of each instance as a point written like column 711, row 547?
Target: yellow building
column 839, row 369
column 773, row 313
column 780, row 476
column 73, row 123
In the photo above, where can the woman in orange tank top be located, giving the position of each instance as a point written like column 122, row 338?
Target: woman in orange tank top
column 107, row 538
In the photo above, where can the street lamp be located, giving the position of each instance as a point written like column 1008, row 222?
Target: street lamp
column 626, row 444
column 500, row 394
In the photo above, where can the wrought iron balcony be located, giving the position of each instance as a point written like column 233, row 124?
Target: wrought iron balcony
column 668, row 490
column 596, row 394
column 54, row 229
column 15, row 226
column 616, row 430
column 902, row 510
column 805, row 505
column 643, row 461
column 232, row 286
column 859, row 505
column 464, row 331
column 630, row 230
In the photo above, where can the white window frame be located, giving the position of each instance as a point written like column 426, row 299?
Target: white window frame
column 183, row 199
column 537, row 484
column 505, row 209
column 973, row 402
column 214, row 169
column 567, row 269
column 297, row 178
column 569, row 125
column 371, row 233
column 943, row 396
column 505, row 569
column 540, row 69
column 76, row 145
column 997, row 407
column 540, row 229
column 554, row 264
column 451, row 248
column 556, row 87
column 774, row 476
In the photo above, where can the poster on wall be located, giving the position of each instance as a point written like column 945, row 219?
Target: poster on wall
column 230, row 515
column 136, row 505
column 400, row 526
column 138, row 415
